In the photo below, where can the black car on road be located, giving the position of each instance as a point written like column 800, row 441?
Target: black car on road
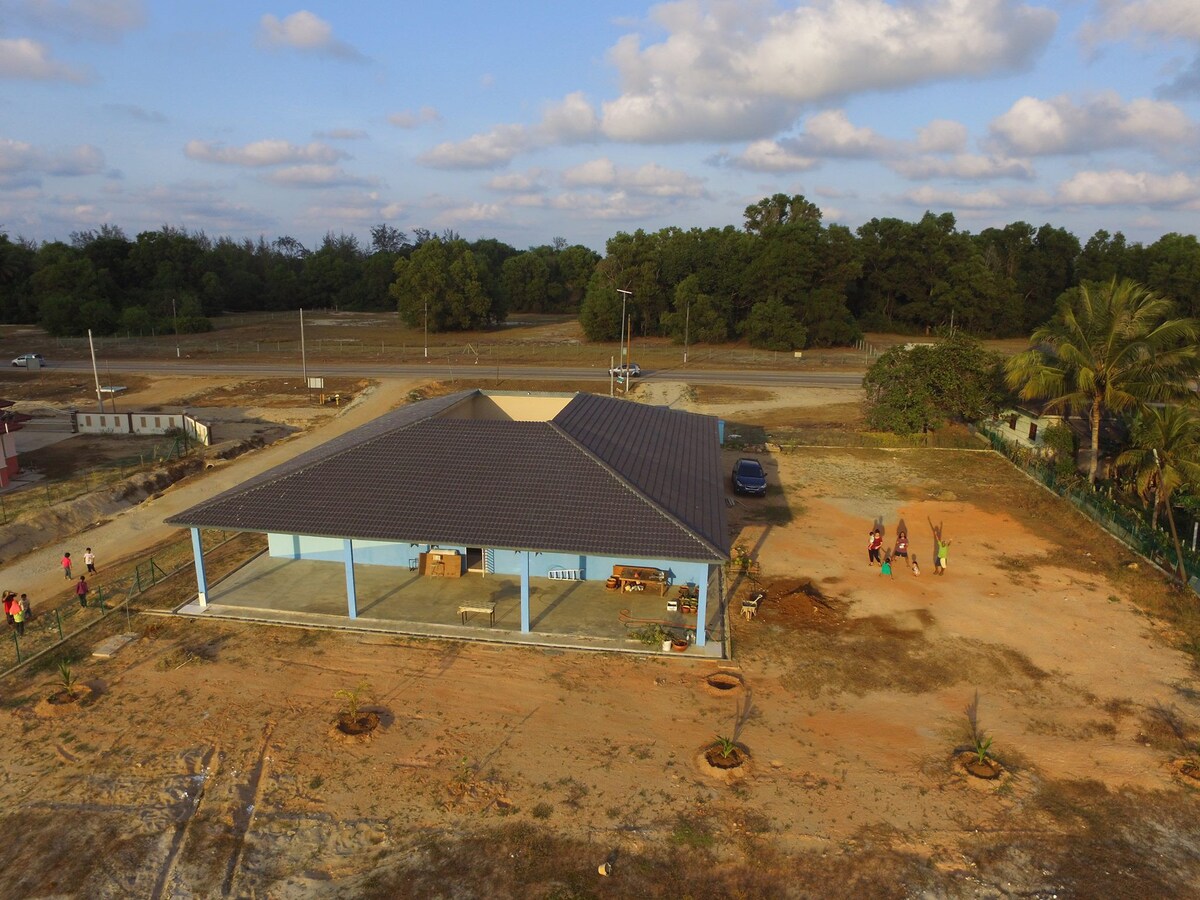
column 749, row 477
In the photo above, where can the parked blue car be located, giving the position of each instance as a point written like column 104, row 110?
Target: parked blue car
column 749, row 477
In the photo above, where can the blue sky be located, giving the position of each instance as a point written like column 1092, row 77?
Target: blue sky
column 527, row 121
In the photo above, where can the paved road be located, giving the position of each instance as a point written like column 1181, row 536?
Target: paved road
column 764, row 378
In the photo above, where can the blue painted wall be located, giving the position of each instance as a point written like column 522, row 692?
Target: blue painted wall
column 371, row 553
column 595, row 568
column 505, row 562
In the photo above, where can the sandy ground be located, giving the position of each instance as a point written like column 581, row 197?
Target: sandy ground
column 205, row 764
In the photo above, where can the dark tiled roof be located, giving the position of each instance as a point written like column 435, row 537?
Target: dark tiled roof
column 672, row 457
column 564, row 485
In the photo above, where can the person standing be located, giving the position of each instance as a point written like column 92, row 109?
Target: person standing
column 81, row 591
column 25, row 606
column 18, row 616
column 943, row 553
column 886, row 567
column 89, row 559
column 66, row 564
column 9, row 598
column 901, row 548
column 874, row 546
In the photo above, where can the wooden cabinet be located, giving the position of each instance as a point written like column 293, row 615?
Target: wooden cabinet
column 440, row 564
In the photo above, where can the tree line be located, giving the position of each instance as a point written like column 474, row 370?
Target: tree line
column 781, row 280
column 172, row 279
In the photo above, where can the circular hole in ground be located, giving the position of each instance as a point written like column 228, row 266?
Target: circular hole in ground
column 723, row 681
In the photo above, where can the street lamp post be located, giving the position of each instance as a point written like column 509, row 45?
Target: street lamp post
column 427, row 328
column 175, row 321
column 624, row 362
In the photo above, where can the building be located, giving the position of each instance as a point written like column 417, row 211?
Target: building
column 558, row 492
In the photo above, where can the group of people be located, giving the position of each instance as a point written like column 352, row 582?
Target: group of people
column 877, row 556
column 16, row 610
column 81, row 586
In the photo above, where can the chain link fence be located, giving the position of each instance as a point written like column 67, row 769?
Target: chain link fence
column 1127, row 525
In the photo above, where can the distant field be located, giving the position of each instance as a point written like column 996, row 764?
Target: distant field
column 524, row 340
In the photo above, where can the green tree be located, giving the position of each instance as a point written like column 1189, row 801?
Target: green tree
column 918, row 389
column 1109, row 348
column 1165, row 457
column 445, row 278
column 773, row 325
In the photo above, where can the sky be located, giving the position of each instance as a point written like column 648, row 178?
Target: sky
column 527, row 121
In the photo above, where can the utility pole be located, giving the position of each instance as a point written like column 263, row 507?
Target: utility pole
column 624, row 356
column 303, row 357
column 175, row 321
column 427, row 328
column 95, row 372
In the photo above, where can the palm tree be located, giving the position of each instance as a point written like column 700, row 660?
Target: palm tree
column 1165, row 456
column 1108, row 348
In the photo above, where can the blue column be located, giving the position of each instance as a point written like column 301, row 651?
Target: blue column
column 702, row 608
column 198, row 558
column 351, row 596
column 525, row 592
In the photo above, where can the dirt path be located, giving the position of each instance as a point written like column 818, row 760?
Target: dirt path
column 141, row 527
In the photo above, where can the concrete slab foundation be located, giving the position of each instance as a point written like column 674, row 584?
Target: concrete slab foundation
column 565, row 614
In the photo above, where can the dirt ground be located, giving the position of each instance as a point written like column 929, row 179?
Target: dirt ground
column 203, row 763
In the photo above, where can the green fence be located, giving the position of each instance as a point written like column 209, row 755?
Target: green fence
column 1126, row 524
column 52, row 625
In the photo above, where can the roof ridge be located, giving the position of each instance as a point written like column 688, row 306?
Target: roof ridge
column 633, row 490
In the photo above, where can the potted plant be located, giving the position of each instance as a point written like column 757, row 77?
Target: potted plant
column 978, row 760
column 352, row 719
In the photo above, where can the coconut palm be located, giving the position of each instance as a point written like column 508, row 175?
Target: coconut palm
column 1165, row 456
column 1108, row 348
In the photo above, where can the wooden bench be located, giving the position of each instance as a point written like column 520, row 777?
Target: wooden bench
column 490, row 609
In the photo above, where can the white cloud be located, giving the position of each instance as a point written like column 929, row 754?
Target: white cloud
column 570, row 120
column 341, row 134
column 518, row 182
column 315, row 176
column 1120, row 187
column 22, row 163
column 474, row 212
column 1061, row 125
column 942, row 136
column 488, row 150
column 1161, row 18
column 932, row 198
column 304, row 31
column 25, row 58
column 608, row 206
column 731, row 71
column 832, row 134
column 262, row 153
column 772, row 156
column 967, row 166
column 81, row 19
column 650, row 180
column 409, row 119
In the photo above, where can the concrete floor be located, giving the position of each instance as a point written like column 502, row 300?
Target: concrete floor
column 576, row 614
